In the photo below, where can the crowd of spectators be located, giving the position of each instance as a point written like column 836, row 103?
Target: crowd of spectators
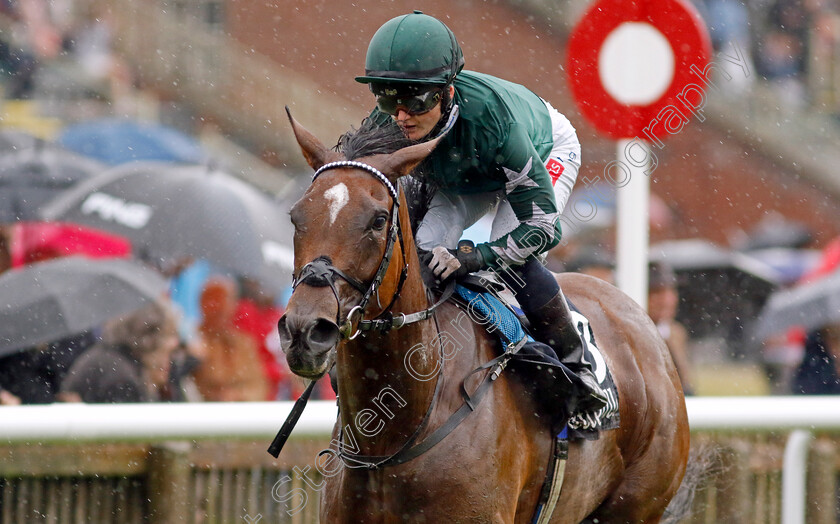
column 792, row 45
column 224, row 328
column 214, row 338
column 74, row 39
column 147, row 356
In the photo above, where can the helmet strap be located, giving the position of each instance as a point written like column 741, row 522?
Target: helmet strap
column 447, row 102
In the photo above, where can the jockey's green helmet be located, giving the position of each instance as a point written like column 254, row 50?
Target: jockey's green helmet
column 412, row 50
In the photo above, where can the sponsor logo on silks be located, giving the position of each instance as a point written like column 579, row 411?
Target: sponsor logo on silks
column 278, row 255
column 129, row 214
column 555, row 169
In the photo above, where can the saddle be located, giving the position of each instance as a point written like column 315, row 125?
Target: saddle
column 534, row 363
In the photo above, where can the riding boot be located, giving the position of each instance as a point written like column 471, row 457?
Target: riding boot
column 552, row 324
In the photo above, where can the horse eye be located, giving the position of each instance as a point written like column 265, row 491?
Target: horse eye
column 379, row 222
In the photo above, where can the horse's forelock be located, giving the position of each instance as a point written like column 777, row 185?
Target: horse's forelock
column 375, row 139
column 372, row 139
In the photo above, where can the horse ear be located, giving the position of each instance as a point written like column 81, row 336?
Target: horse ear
column 315, row 153
column 403, row 161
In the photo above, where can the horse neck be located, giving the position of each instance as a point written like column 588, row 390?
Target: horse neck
column 382, row 399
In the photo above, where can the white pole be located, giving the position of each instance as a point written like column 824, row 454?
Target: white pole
column 764, row 414
column 794, row 477
column 156, row 422
column 160, row 421
column 632, row 222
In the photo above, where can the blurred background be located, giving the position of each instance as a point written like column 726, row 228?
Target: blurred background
column 756, row 178
column 184, row 99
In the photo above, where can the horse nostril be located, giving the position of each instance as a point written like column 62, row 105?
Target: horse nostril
column 284, row 333
column 323, row 333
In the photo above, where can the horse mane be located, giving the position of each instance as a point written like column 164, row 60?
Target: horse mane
column 376, row 138
column 372, row 138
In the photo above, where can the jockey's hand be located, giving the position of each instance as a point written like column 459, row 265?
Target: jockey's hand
column 446, row 263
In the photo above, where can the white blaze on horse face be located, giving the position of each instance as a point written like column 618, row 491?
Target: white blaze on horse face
column 338, row 196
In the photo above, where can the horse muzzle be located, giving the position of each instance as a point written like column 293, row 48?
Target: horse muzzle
column 307, row 343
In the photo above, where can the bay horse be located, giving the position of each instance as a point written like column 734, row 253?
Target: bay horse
column 356, row 265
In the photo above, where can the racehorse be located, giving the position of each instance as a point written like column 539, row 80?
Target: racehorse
column 401, row 357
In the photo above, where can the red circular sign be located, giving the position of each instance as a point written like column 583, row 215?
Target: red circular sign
column 681, row 25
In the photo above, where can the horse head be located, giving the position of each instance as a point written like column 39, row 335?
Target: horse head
column 348, row 248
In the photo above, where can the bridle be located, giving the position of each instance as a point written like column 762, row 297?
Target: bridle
column 321, row 272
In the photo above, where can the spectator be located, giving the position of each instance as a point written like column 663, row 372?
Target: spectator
column 8, row 399
column 662, row 308
column 90, row 43
column 781, row 355
column 783, row 50
column 132, row 362
column 5, row 251
column 187, row 279
column 819, row 372
column 728, row 21
column 823, row 56
column 257, row 315
column 181, row 387
column 231, row 369
column 34, row 376
column 31, row 39
column 729, row 26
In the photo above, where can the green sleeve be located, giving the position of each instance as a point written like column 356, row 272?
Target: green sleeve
column 531, row 195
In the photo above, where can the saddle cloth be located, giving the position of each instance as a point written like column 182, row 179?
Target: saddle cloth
column 537, row 363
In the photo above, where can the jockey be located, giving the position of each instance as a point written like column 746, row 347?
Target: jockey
column 507, row 149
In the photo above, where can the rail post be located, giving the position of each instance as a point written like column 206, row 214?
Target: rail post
column 168, row 482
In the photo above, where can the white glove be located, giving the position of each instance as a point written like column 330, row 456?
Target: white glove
column 443, row 262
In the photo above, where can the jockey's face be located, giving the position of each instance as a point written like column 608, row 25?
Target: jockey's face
column 418, row 126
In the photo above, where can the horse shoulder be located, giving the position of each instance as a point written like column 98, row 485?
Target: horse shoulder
column 508, row 440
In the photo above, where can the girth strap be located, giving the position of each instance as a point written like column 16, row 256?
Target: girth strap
column 553, row 482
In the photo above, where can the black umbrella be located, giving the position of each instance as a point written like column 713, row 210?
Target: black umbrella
column 170, row 212
column 12, row 140
column 51, row 300
column 810, row 306
column 721, row 291
column 776, row 231
column 31, row 177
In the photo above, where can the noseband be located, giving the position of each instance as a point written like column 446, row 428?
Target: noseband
column 321, row 272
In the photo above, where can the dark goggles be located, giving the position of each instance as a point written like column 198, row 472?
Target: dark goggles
column 415, row 104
